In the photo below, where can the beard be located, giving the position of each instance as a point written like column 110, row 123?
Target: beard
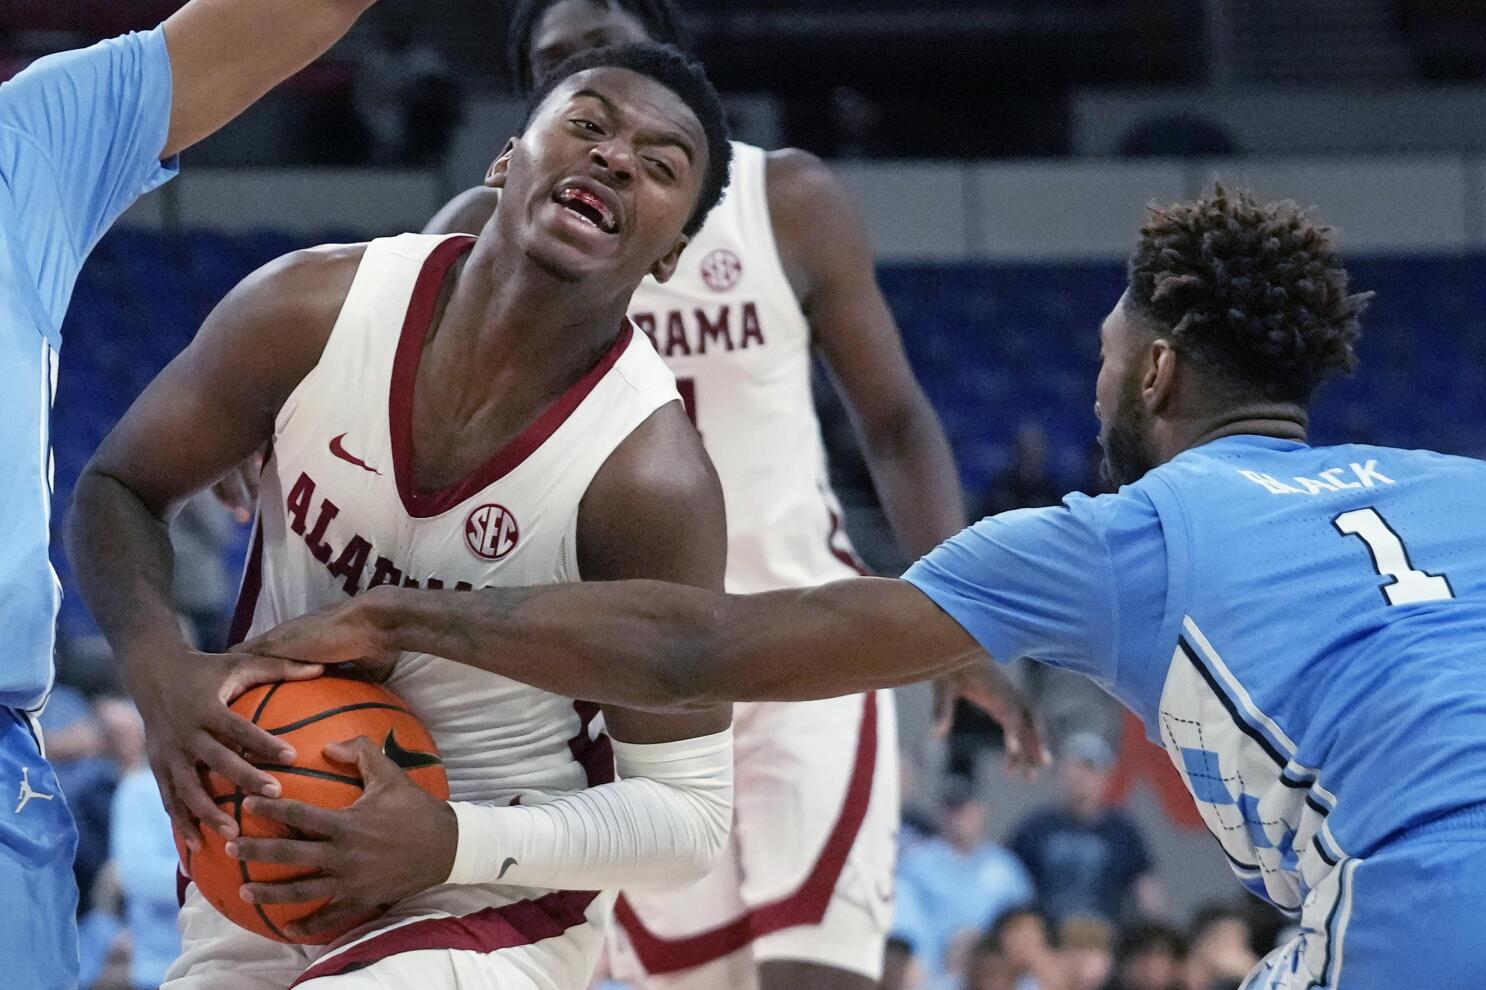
column 1127, row 452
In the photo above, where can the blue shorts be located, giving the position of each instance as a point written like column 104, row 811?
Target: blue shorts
column 1408, row 916
column 38, row 895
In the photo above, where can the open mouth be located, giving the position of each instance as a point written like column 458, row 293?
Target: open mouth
column 588, row 207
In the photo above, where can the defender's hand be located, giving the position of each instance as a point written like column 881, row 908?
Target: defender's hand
column 395, row 841
column 338, row 633
column 189, row 728
column 989, row 689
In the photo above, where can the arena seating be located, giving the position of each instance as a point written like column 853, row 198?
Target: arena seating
column 994, row 344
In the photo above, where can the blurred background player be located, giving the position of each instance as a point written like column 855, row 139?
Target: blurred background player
column 781, row 273
column 448, row 412
column 82, row 135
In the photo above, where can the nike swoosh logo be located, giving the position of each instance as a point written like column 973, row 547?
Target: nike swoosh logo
column 338, row 449
column 505, row 866
column 408, row 759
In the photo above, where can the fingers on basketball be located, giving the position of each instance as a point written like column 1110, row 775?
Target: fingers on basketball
column 308, row 715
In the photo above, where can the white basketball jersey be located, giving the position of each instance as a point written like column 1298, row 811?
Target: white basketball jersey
column 340, row 513
column 729, row 325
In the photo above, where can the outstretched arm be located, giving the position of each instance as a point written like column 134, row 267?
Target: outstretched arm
column 225, row 54
column 649, row 644
column 1033, row 583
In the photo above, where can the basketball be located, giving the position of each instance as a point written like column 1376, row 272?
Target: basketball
column 309, row 715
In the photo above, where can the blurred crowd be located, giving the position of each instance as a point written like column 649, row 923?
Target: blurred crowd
column 1070, row 902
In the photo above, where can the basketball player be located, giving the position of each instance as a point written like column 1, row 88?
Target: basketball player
column 453, row 413
column 82, row 135
column 780, row 272
column 1301, row 627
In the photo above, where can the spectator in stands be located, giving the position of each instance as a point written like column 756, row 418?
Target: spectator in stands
column 1220, row 955
column 1024, row 484
column 958, row 882
column 203, row 589
column 1086, row 951
column 900, row 970
column 1085, row 857
column 142, row 850
column 1022, row 940
column 1151, row 956
column 76, row 747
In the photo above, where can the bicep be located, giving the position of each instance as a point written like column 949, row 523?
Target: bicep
column 655, row 512
column 1031, row 583
column 225, row 54
column 841, row 638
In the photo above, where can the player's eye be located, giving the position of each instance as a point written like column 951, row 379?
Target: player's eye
column 663, row 167
column 587, row 125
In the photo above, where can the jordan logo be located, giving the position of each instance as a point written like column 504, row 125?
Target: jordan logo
column 27, row 793
column 408, row 759
column 338, row 449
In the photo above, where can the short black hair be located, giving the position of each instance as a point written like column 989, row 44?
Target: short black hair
column 661, row 18
column 681, row 75
column 1144, row 936
column 1252, row 293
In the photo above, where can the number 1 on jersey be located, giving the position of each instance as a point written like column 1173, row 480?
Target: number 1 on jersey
column 1409, row 585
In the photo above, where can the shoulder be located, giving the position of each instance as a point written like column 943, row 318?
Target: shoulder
column 467, row 213
column 662, row 461
column 796, row 179
column 308, row 284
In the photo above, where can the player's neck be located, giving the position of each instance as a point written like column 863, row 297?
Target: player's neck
column 1283, row 421
column 509, row 313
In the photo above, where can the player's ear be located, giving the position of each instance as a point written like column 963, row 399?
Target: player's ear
column 663, row 269
column 495, row 176
column 1158, row 383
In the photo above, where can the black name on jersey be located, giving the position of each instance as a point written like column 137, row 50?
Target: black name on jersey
column 689, row 332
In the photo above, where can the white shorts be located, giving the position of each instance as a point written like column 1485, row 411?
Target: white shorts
column 469, row 938
column 808, row 875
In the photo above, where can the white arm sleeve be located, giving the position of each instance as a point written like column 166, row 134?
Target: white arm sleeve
column 663, row 823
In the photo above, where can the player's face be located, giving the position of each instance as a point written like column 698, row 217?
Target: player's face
column 574, row 26
column 1124, row 422
column 604, row 179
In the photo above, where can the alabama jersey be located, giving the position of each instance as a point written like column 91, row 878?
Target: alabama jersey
column 728, row 324
column 341, row 513
column 808, row 871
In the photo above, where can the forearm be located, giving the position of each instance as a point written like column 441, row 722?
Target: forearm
column 663, row 647
column 124, row 563
column 662, row 824
column 914, row 472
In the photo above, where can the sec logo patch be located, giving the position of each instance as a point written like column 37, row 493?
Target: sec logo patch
column 721, row 269
column 491, row 532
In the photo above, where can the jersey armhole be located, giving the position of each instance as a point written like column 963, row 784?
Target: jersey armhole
column 336, row 339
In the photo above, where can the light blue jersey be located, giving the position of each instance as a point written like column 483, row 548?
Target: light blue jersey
column 1303, row 629
column 80, row 140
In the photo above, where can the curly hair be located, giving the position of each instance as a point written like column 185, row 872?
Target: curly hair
column 682, row 76
column 1251, row 293
column 662, row 20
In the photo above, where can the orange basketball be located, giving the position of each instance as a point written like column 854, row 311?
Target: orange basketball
column 309, row 715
